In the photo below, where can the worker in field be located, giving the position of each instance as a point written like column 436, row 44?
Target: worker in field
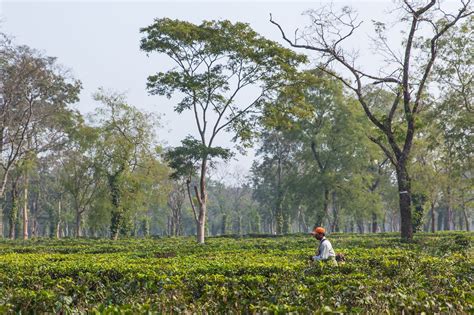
column 325, row 251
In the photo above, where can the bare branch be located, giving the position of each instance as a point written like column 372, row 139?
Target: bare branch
column 388, row 154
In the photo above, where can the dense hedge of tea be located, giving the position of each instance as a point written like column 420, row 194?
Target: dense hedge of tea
column 248, row 274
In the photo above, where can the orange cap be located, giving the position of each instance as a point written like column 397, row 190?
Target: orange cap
column 319, row 230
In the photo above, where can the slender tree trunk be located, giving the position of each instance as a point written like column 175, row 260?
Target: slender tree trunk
column 384, row 221
column 58, row 226
column 279, row 199
column 178, row 222
column 2, row 211
column 432, row 218
column 441, row 216
column 404, row 191
column 25, row 209
column 78, row 222
column 239, row 224
column 258, row 225
column 351, row 227
column 34, row 228
column 271, row 225
column 173, row 224
column 392, row 222
column 169, row 225
column 464, row 212
column 449, row 211
column 223, row 224
column 461, row 222
column 202, row 198
column 34, row 216
column 117, row 211
column 360, row 226
column 13, row 215
column 374, row 222
column 325, row 205
column 300, row 221
column 466, row 219
column 446, row 219
column 335, row 213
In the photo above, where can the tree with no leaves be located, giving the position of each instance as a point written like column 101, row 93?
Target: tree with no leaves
column 405, row 76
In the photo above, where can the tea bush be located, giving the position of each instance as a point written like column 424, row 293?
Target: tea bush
column 433, row 274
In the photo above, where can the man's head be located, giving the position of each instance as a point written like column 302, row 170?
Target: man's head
column 318, row 232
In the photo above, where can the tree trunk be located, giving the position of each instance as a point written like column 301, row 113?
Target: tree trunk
column 58, row 226
column 2, row 211
column 464, row 212
column 404, row 191
column 446, row 219
column 169, row 225
column 178, row 224
column 201, row 196
column 279, row 199
column 440, row 218
column 325, row 204
column 25, row 209
column 223, row 224
column 13, row 215
column 239, row 224
column 461, row 222
column 384, row 220
column 201, row 224
column 335, row 213
column 466, row 219
column 78, row 223
column 360, row 226
column 432, row 218
column 374, row 222
column 449, row 211
column 279, row 221
column 117, row 211
column 34, row 216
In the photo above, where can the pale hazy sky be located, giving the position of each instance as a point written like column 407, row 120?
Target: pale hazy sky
column 99, row 42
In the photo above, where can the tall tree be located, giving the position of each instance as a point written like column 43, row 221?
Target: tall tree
column 78, row 173
column 216, row 62
column 272, row 175
column 125, row 141
column 453, row 116
column 33, row 88
column 406, row 75
column 329, row 133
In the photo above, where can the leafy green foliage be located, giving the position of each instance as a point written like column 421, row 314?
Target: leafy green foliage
column 260, row 274
column 125, row 155
column 319, row 139
column 184, row 160
column 215, row 61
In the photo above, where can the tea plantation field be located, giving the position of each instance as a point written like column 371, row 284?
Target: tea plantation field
column 238, row 275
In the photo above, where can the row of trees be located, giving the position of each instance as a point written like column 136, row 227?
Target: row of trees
column 375, row 152
column 59, row 166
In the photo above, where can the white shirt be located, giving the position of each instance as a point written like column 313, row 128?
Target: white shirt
column 325, row 250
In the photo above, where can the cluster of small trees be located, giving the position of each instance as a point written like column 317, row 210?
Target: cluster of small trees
column 350, row 150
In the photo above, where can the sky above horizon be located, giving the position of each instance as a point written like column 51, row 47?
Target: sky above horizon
column 99, row 42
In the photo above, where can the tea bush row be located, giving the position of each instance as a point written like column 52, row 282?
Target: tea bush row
column 240, row 274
